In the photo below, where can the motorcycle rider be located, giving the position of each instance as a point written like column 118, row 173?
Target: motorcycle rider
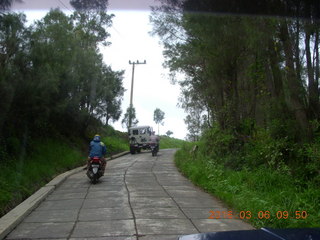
column 97, row 149
column 154, row 139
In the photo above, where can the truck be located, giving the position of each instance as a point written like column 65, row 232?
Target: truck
column 139, row 138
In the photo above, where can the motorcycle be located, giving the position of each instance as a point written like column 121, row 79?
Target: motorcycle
column 154, row 149
column 94, row 171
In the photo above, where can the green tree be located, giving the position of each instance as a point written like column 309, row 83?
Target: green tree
column 169, row 133
column 158, row 117
column 86, row 5
column 130, row 114
column 111, row 92
column 243, row 69
column 14, row 70
column 52, row 71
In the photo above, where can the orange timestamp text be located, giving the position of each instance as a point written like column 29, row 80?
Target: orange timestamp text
column 216, row 214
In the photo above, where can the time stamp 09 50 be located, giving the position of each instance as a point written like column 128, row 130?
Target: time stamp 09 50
column 257, row 215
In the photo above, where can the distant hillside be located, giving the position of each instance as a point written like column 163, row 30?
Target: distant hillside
column 169, row 142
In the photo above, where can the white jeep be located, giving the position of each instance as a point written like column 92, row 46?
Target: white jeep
column 139, row 138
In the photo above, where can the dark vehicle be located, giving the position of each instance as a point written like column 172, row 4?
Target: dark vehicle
column 94, row 171
column 261, row 234
column 154, row 149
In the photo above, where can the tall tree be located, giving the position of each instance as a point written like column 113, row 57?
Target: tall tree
column 47, row 76
column 158, row 117
column 242, row 69
column 130, row 114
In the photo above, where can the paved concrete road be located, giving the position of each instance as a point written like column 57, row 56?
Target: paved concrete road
column 140, row 197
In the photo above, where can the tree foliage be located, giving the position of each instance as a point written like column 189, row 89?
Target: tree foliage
column 169, row 133
column 130, row 114
column 244, row 72
column 158, row 117
column 86, row 5
column 52, row 76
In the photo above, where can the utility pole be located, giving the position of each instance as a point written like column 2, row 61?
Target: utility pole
column 131, row 95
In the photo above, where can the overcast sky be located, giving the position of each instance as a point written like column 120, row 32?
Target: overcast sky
column 130, row 40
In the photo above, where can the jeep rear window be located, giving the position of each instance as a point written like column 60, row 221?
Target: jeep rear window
column 135, row 132
column 143, row 131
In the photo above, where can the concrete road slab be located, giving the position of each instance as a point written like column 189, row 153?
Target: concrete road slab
column 60, row 204
column 196, row 202
column 65, row 215
column 175, row 183
column 41, row 230
column 113, row 180
column 145, row 184
column 140, row 197
column 66, row 195
column 186, row 188
column 104, row 229
column 104, row 214
column 105, row 194
column 186, row 193
column 137, row 188
column 70, row 190
column 168, row 226
column 106, row 202
column 148, row 193
column 159, row 237
column 75, row 184
column 158, row 213
column 152, row 202
column 139, row 175
column 105, row 187
column 202, row 213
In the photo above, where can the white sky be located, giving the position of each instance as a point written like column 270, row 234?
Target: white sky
column 130, row 40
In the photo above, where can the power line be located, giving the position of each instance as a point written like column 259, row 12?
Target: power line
column 65, row 5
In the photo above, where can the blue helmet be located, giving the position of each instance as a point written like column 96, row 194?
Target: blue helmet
column 96, row 138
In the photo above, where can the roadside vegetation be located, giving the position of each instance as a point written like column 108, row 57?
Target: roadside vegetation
column 44, row 158
column 170, row 142
column 270, row 183
column 56, row 93
column 115, row 141
column 251, row 93
column 32, row 168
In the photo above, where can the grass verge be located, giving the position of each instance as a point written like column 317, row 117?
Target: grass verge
column 168, row 142
column 22, row 176
column 115, row 141
column 266, row 198
column 42, row 159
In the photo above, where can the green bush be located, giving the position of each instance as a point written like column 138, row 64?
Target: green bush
column 266, row 151
column 265, row 182
column 216, row 142
column 24, row 174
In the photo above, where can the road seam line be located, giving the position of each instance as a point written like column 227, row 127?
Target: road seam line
column 78, row 215
column 155, row 176
column 133, row 215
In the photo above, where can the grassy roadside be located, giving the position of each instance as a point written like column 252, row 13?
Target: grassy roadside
column 263, row 196
column 168, row 142
column 42, row 160
column 22, row 176
column 115, row 141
